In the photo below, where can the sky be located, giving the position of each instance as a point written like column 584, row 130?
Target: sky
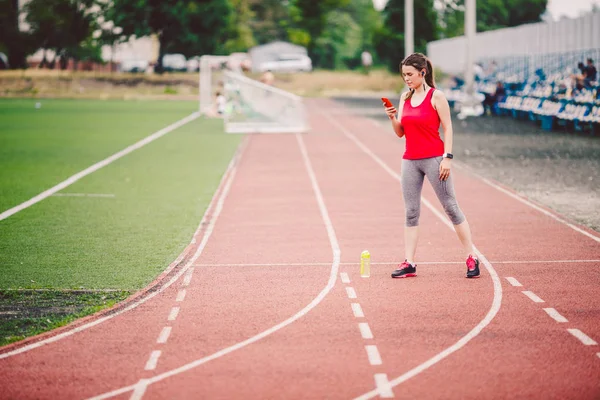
column 557, row 8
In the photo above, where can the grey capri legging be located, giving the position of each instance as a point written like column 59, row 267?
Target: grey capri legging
column 413, row 174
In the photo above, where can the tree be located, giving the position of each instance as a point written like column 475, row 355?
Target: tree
column 491, row 14
column 17, row 44
column 341, row 41
column 389, row 39
column 309, row 19
column 241, row 37
column 271, row 20
column 189, row 27
column 60, row 25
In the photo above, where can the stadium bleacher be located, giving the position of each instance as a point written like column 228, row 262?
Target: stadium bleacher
column 541, row 89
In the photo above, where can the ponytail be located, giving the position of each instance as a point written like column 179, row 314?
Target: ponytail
column 429, row 75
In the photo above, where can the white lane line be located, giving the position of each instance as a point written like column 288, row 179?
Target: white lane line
column 585, row 339
column 535, row 298
column 174, row 313
column 345, row 278
column 188, row 277
column 312, row 264
column 351, row 293
column 383, row 386
column 496, row 302
column 97, row 166
column 598, row 354
column 104, row 195
column 210, row 217
column 153, row 360
column 528, row 202
column 373, row 354
column 357, row 310
column 513, row 281
column 139, row 389
column 335, row 247
column 181, row 295
column 164, row 335
column 365, row 330
column 555, row 315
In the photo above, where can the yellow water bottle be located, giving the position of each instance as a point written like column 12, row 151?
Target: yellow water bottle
column 365, row 264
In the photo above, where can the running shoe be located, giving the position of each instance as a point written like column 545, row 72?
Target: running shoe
column 472, row 267
column 405, row 270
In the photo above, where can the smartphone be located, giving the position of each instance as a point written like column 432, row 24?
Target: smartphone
column 387, row 102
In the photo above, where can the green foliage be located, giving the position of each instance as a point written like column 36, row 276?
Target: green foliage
column 60, row 25
column 389, row 39
column 271, row 21
column 16, row 44
column 340, row 41
column 311, row 16
column 491, row 14
column 241, row 36
column 190, row 27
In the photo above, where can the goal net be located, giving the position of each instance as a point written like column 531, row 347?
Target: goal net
column 247, row 105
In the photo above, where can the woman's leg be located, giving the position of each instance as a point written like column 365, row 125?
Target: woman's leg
column 445, row 193
column 412, row 184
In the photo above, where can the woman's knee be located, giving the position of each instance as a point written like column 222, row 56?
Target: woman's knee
column 412, row 216
column 454, row 212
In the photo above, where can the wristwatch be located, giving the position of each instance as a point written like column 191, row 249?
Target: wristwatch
column 448, row 155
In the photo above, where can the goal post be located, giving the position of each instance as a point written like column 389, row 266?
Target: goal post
column 250, row 106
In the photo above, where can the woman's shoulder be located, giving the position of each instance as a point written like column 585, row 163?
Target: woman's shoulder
column 438, row 94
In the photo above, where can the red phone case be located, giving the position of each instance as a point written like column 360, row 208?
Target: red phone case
column 387, row 102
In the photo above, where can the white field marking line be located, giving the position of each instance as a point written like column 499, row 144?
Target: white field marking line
column 181, row 295
column 555, row 315
column 225, row 184
column 365, row 330
column 330, row 284
column 164, row 335
column 351, row 293
column 513, row 281
column 105, row 195
column 311, row 264
column 373, row 354
column 97, row 166
column 188, row 277
column 357, row 310
column 345, row 278
column 383, row 386
column 534, row 297
column 153, row 360
column 529, row 203
column 585, row 339
column 496, row 302
column 174, row 313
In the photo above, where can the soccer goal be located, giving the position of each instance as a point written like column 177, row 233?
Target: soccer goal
column 249, row 106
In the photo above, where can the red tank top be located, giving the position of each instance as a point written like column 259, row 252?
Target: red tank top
column 421, row 129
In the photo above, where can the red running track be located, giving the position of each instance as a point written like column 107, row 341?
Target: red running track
column 273, row 305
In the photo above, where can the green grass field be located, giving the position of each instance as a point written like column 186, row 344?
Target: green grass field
column 158, row 193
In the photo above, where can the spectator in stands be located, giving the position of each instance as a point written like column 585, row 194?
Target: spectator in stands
column 268, row 78
column 590, row 73
column 489, row 104
column 578, row 78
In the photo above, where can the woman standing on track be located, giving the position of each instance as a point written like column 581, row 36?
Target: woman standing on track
column 421, row 111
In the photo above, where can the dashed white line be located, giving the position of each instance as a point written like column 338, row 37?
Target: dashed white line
column 180, row 295
column 555, row 315
column 585, row 339
column 153, row 360
column 345, row 278
column 173, row 314
column 513, row 281
column 164, row 335
column 373, row 354
column 351, row 293
column 532, row 296
column 383, row 386
column 357, row 310
column 365, row 331
column 187, row 278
